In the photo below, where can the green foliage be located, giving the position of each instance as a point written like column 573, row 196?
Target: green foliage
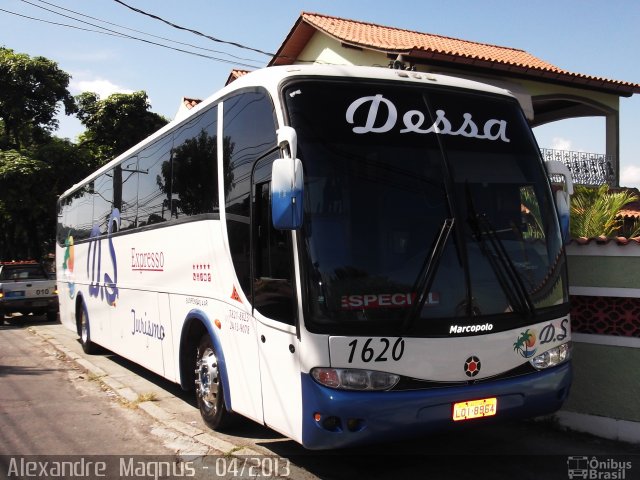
column 35, row 167
column 595, row 211
column 30, row 182
column 31, row 90
column 532, row 215
column 23, row 208
column 117, row 123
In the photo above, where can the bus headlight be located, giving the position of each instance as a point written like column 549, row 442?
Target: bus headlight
column 552, row 357
column 354, row 379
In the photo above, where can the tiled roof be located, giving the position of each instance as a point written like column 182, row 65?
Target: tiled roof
column 606, row 240
column 631, row 209
column 430, row 47
column 189, row 103
column 235, row 74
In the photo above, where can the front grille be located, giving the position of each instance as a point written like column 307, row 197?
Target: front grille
column 407, row 383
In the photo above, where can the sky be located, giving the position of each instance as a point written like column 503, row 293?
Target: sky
column 591, row 37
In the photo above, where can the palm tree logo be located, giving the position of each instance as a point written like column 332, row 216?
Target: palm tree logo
column 525, row 343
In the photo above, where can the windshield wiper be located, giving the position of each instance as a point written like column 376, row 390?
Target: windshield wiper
column 427, row 273
column 499, row 259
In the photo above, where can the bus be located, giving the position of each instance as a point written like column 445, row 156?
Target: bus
column 344, row 254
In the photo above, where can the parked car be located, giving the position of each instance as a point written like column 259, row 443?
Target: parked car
column 25, row 287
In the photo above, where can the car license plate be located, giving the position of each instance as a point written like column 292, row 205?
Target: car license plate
column 17, row 293
column 485, row 407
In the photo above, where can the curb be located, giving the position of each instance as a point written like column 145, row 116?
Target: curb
column 604, row 427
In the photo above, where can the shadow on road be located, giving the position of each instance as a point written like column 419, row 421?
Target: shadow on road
column 18, row 321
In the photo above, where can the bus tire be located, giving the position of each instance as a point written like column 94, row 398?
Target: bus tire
column 85, row 332
column 209, row 389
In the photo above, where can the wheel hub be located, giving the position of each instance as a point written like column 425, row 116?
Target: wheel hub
column 84, row 331
column 207, row 378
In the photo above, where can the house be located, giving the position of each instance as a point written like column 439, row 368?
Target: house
column 546, row 92
column 186, row 104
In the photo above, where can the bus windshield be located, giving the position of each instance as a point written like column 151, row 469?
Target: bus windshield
column 388, row 169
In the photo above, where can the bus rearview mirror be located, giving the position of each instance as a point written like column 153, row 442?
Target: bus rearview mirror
column 287, row 190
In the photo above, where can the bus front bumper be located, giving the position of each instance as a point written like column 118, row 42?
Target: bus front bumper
column 341, row 418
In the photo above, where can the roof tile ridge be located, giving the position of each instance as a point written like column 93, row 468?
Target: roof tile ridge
column 446, row 37
column 548, row 67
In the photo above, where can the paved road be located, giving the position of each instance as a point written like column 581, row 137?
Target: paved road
column 49, row 405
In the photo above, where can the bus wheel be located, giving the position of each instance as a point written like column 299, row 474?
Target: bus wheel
column 209, row 390
column 85, row 333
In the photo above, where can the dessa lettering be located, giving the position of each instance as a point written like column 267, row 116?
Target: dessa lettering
column 413, row 120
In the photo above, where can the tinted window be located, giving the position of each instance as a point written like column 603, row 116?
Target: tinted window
column 173, row 177
column 153, row 199
column 387, row 168
column 77, row 214
column 273, row 273
column 249, row 133
column 103, row 201
column 126, row 198
column 194, row 172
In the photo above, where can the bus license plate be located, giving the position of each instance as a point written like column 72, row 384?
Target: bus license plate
column 15, row 294
column 485, row 407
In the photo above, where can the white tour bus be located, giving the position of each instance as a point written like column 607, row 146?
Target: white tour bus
column 344, row 254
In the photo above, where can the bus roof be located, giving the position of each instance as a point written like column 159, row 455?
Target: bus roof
column 270, row 78
column 273, row 76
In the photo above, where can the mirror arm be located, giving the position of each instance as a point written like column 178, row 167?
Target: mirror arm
column 288, row 141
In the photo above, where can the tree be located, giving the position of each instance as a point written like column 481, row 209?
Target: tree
column 23, row 205
column 69, row 162
column 31, row 90
column 30, row 182
column 117, row 123
column 595, row 211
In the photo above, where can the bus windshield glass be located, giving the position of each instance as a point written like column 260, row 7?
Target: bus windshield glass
column 389, row 168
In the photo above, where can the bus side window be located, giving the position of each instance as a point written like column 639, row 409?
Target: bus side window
column 77, row 213
column 125, row 192
column 272, row 282
column 194, row 184
column 154, row 182
column 102, row 201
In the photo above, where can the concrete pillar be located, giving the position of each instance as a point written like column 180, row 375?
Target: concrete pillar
column 612, row 143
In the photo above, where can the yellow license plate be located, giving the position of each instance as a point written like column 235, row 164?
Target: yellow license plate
column 485, row 407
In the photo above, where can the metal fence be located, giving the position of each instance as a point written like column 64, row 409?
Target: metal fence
column 586, row 168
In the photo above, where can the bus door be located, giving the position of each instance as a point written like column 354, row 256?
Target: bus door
column 273, row 294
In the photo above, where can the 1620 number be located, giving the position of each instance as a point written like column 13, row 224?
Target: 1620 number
column 372, row 351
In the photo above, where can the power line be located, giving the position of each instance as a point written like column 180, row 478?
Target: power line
column 62, row 24
column 126, row 28
column 196, row 32
column 123, row 35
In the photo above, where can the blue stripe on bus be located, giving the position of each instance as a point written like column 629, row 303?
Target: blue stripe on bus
column 389, row 416
column 222, row 364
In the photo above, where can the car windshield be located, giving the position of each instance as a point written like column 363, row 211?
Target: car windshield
column 415, row 193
